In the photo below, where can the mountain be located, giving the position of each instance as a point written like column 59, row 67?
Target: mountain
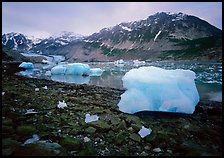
column 16, row 41
column 162, row 36
column 12, row 55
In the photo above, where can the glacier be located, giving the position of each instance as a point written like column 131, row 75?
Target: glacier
column 156, row 89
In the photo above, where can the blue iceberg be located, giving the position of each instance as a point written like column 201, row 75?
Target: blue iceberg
column 26, row 65
column 71, row 69
column 155, row 89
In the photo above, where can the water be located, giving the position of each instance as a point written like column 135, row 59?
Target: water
column 208, row 75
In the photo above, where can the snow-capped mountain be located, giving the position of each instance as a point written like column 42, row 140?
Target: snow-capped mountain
column 17, row 41
column 23, row 43
column 161, row 36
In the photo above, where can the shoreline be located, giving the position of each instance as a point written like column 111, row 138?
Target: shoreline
column 114, row 134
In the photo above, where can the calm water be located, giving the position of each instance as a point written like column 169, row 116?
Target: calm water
column 208, row 75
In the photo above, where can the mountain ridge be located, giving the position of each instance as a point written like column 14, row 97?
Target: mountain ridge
column 160, row 36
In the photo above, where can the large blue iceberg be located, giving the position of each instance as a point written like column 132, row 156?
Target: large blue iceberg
column 155, row 89
column 71, row 69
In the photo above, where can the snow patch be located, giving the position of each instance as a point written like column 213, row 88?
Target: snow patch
column 157, row 35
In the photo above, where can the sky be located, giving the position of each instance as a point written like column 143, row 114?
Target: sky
column 43, row 19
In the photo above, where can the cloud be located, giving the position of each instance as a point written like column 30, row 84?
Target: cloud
column 89, row 17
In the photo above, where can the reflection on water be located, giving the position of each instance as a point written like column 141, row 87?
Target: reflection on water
column 208, row 75
column 71, row 79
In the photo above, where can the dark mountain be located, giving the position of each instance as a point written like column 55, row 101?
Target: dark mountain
column 16, row 41
column 12, row 55
column 162, row 36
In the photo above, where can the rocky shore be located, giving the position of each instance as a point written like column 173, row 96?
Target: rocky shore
column 29, row 108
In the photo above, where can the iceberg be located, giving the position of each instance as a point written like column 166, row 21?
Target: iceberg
column 26, row 65
column 156, row 89
column 71, row 69
column 96, row 72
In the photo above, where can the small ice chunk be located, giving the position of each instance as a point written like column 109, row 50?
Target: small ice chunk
column 96, row 72
column 37, row 89
column 91, row 118
column 86, row 139
column 48, row 73
column 3, row 93
column 30, row 111
column 45, row 87
column 157, row 150
column 144, row 131
column 26, row 65
column 62, row 105
column 32, row 140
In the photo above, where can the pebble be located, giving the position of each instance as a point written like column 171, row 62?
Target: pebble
column 86, row 139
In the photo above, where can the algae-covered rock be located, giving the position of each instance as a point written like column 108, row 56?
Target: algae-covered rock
column 88, row 151
column 135, row 137
column 41, row 148
column 122, row 125
column 90, row 130
column 120, row 137
column 70, row 143
column 115, row 121
column 26, row 130
column 101, row 125
column 8, row 146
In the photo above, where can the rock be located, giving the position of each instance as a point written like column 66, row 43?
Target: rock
column 143, row 154
column 101, row 125
column 87, row 151
column 70, row 143
column 90, row 130
column 120, row 137
column 86, row 139
column 8, row 146
column 115, row 121
column 135, row 137
column 122, row 125
column 26, row 130
column 41, row 148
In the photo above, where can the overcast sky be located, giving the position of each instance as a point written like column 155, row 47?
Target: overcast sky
column 42, row 19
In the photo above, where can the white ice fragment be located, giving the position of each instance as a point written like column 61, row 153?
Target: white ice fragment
column 157, row 150
column 144, row 131
column 48, row 73
column 62, row 105
column 30, row 111
column 91, row 118
column 96, row 72
column 45, row 87
column 86, row 139
column 37, row 89
column 32, row 140
column 3, row 93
